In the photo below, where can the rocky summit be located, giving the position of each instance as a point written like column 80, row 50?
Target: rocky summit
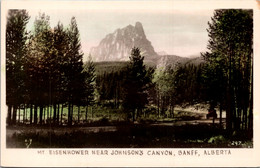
column 117, row 46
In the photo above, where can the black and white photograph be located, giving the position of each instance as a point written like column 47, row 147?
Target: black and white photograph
column 127, row 80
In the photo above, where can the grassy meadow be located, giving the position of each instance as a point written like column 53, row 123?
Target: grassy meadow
column 110, row 128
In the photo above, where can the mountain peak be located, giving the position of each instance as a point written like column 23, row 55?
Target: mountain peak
column 139, row 28
column 138, row 25
column 117, row 46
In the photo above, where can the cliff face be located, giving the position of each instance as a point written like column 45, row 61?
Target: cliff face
column 117, row 46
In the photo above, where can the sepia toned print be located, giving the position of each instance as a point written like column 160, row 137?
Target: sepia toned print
column 130, row 95
column 106, row 82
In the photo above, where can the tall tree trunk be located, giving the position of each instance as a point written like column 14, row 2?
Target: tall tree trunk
column 220, row 114
column 238, row 118
column 35, row 114
column 54, row 113
column 14, row 114
column 228, row 115
column 19, row 113
column 31, row 113
column 58, row 114
column 71, row 114
column 78, row 113
column 48, row 111
column 24, row 113
column 229, row 110
column 41, row 112
column 61, row 115
column 69, row 111
column 245, row 117
column 9, row 115
column 50, row 117
column 44, row 113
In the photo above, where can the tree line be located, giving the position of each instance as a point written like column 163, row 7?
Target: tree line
column 44, row 70
column 230, row 65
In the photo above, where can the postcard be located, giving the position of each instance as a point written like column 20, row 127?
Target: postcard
column 129, row 83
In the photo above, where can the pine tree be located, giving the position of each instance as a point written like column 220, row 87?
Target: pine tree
column 16, row 50
column 136, row 84
column 61, row 46
column 90, row 78
column 74, row 69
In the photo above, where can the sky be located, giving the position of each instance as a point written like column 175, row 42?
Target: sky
column 174, row 31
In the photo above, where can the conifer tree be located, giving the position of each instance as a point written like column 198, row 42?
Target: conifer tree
column 90, row 78
column 74, row 68
column 16, row 50
column 61, row 46
column 136, row 84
